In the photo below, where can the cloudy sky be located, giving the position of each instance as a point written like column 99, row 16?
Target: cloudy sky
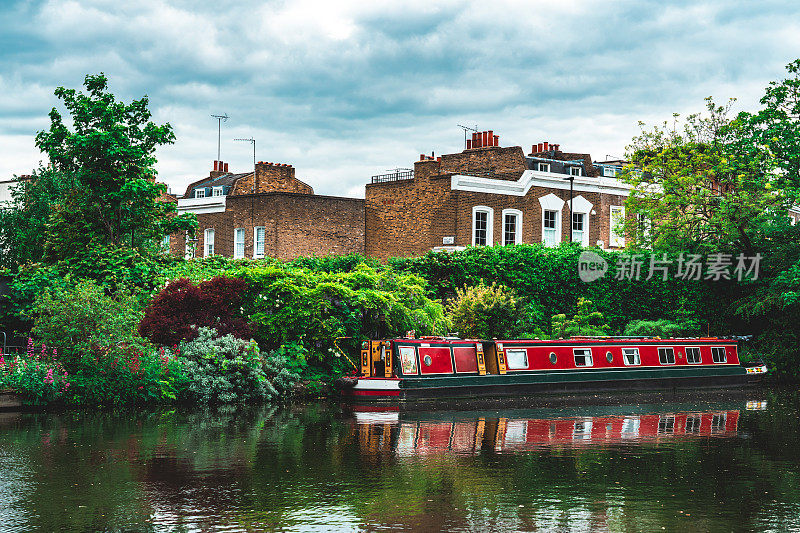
column 344, row 90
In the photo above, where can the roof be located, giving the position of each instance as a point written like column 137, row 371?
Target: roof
column 219, row 181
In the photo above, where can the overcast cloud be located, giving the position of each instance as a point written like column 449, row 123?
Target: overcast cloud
column 344, row 90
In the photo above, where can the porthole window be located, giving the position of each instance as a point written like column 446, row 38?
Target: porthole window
column 553, row 358
column 609, row 357
column 427, row 360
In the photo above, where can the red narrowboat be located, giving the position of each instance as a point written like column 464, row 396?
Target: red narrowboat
column 442, row 367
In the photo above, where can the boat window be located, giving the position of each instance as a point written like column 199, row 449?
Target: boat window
column 666, row 425
column 666, row 356
column 553, row 358
column 693, row 424
column 609, row 357
column 718, row 354
column 718, row 421
column 631, row 356
column 408, row 360
column 693, row 356
column 583, row 356
column 517, row 359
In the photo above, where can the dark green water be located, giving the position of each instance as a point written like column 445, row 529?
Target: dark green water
column 701, row 465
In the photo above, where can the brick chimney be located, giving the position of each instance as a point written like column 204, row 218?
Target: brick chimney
column 272, row 177
column 483, row 139
column 220, row 168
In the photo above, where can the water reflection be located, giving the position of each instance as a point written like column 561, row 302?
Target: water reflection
column 703, row 466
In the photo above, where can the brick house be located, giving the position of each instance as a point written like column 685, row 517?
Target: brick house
column 268, row 212
column 488, row 194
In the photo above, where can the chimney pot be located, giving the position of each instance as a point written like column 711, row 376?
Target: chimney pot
column 469, row 144
column 546, row 146
column 422, row 157
column 490, row 135
column 216, row 165
column 496, row 140
column 226, row 167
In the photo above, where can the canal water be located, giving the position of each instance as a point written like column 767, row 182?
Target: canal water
column 675, row 464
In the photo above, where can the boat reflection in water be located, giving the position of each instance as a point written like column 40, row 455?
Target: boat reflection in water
column 421, row 434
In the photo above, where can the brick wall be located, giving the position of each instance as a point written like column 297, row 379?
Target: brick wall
column 294, row 224
column 279, row 177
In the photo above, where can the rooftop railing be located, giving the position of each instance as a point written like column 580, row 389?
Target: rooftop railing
column 395, row 175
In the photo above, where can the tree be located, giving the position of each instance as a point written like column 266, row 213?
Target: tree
column 485, row 312
column 708, row 185
column 23, row 224
column 587, row 321
column 109, row 155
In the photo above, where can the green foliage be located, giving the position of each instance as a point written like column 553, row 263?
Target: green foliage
column 24, row 222
column 37, row 375
column 225, row 370
column 109, row 158
column 485, row 312
column 704, row 186
column 661, row 328
column 83, row 322
column 334, row 263
column 314, row 308
column 587, row 321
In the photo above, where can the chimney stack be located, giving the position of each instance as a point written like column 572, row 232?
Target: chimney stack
column 216, row 165
column 226, row 167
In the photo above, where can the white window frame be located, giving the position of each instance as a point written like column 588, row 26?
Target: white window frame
column 165, row 244
column 670, row 348
column 584, row 235
column 543, row 167
column 512, row 359
column 609, row 172
column 517, row 227
column 724, row 354
column 693, row 423
column 699, row 355
column 217, row 190
column 489, row 223
column 614, row 238
column 551, row 202
column 263, row 229
column 575, row 171
column 208, row 242
column 589, row 360
column 237, row 242
column 200, row 192
column 581, row 206
column 637, row 359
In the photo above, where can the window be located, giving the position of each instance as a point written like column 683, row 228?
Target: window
column 408, row 360
column 482, row 226
column 582, row 429
column 238, row 243
column 583, row 356
column 693, row 424
column 512, row 226
column 631, row 356
column 208, row 243
column 693, row 356
column 609, row 172
column 578, row 222
column 575, row 171
column 666, row 425
column 517, row 359
column 216, row 191
column 258, row 241
column 666, row 356
column 718, row 354
column 165, row 244
column 544, row 167
column 200, row 193
column 550, row 228
column 617, row 237
column 643, row 226
column 630, row 427
column 718, row 421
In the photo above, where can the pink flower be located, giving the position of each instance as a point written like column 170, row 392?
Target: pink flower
column 2, row 360
column 49, row 377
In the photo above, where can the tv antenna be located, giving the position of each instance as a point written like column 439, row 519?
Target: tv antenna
column 253, row 142
column 220, row 120
column 466, row 129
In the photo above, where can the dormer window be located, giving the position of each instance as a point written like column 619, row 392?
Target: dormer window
column 544, row 167
column 609, row 172
column 217, row 191
column 199, row 193
column 575, row 171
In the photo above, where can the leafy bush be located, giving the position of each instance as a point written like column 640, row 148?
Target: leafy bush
column 290, row 305
column 484, row 312
column 83, row 323
column 223, row 369
column 587, row 321
column 175, row 314
column 661, row 328
column 37, row 375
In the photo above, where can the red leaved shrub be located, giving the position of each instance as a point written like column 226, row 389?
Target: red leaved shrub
column 181, row 307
